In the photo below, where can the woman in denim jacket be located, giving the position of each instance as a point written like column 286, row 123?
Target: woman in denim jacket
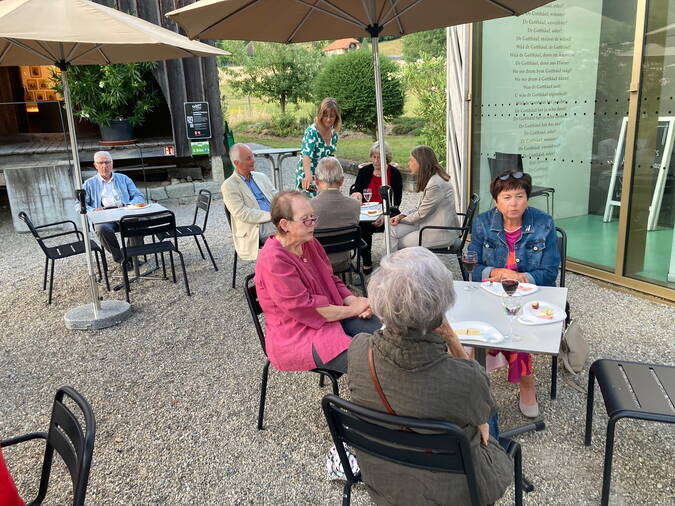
column 514, row 240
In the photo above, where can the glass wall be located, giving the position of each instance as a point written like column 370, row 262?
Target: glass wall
column 553, row 86
column 650, row 255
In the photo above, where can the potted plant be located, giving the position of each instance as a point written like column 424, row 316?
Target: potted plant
column 116, row 97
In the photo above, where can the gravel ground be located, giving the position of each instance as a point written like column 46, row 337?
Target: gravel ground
column 175, row 391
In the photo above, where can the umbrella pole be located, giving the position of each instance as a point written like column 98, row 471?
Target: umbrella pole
column 96, row 303
column 380, row 134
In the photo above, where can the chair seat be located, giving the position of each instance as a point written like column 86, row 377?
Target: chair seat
column 636, row 390
column 69, row 249
column 454, row 248
column 150, row 248
column 185, row 231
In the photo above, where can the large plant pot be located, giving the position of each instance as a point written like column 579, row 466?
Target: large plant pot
column 119, row 132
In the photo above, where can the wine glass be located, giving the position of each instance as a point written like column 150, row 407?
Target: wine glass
column 511, row 303
column 469, row 261
column 367, row 194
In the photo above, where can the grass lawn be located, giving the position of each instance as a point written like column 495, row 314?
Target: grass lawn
column 350, row 148
column 391, row 47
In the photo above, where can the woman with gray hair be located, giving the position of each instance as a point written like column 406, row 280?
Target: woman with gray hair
column 423, row 372
column 368, row 181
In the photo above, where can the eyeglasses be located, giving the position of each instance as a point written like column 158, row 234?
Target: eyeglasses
column 104, row 162
column 514, row 175
column 308, row 222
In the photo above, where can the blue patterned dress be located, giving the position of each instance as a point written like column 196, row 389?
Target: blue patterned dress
column 315, row 148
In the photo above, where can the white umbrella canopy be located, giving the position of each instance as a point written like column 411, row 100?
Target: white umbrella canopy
column 308, row 20
column 291, row 21
column 81, row 32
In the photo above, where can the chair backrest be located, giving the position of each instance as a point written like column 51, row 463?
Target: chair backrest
column 446, row 449
column 509, row 160
column 228, row 215
column 339, row 240
column 74, row 444
column 562, row 248
column 255, row 309
column 203, row 204
column 148, row 224
column 468, row 219
column 23, row 216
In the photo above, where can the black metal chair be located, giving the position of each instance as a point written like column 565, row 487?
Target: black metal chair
column 457, row 246
column 343, row 240
column 514, row 161
column 153, row 225
column 65, row 250
column 562, row 248
column 443, row 447
column 630, row 390
column 74, row 443
column 256, row 311
column 234, row 260
column 194, row 230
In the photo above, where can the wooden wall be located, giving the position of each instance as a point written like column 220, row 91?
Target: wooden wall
column 181, row 80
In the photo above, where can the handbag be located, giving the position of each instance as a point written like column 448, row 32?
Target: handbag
column 574, row 349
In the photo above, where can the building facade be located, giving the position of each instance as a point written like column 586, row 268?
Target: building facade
column 583, row 90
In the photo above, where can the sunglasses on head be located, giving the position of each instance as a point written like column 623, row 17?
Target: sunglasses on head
column 514, row 175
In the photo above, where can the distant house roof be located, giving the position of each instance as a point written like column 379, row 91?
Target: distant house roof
column 342, row 45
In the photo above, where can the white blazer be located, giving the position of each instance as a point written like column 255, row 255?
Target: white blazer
column 246, row 214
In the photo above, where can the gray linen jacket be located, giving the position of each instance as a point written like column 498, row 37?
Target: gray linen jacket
column 436, row 207
column 420, row 379
column 336, row 210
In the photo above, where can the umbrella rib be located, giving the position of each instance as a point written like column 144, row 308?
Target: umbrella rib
column 72, row 50
column 301, row 23
column 367, row 11
column 393, row 8
column 502, row 6
column 28, row 48
column 398, row 15
column 46, row 50
column 94, row 48
column 344, row 17
column 4, row 53
column 107, row 60
column 224, row 18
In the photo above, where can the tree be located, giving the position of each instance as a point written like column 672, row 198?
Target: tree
column 425, row 78
column 349, row 78
column 431, row 42
column 272, row 72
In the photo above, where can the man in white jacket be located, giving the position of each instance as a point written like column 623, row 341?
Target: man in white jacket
column 248, row 195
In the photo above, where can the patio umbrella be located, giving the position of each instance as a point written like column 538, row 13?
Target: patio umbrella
column 81, row 32
column 307, row 20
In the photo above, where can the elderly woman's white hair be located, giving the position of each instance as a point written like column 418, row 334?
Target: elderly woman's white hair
column 329, row 171
column 412, row 289
column 375, row 148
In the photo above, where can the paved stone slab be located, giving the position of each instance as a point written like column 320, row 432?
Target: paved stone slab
column 158, row 193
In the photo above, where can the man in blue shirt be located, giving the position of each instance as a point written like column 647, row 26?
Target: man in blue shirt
column 248, row 196
column 108, row 189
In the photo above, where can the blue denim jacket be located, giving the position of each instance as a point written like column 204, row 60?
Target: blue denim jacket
column 126, row 189
column 537, row 252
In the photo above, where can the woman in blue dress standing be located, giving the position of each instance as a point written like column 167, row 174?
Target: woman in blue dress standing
column 320, row 140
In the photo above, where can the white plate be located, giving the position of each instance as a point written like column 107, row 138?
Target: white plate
column 495, row 288
column 531, row 316
column 488, row 334
column 369, row 205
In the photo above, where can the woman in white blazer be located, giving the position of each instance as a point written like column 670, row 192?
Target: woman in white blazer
column 436, row 207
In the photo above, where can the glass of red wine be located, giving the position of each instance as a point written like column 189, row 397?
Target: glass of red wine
column 511, row 303
column 469, row 261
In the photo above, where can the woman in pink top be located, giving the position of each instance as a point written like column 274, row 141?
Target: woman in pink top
column 310, row 315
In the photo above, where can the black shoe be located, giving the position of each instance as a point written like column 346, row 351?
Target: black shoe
column 367, row 269
column 128, row 265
